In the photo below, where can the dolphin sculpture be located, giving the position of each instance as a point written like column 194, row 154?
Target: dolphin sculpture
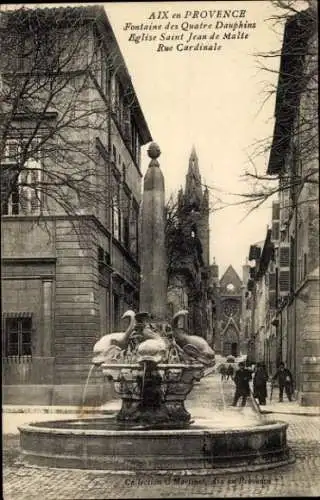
column 110, row 346
column 152, row 349
column 194, row 346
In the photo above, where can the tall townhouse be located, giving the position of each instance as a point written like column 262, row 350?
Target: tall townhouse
column 70, row 252
column 294, row 159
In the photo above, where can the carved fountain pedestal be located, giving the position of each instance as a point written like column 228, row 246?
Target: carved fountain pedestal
column 155, row 395
column 153, row 386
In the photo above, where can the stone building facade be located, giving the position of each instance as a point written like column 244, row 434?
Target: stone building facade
column 68, row 277
column 294, row 281
column 260, row 303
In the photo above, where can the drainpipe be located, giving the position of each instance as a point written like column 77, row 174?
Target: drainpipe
column 111, row 232
column 296, row 377
column 279, row 358
column 253, row 319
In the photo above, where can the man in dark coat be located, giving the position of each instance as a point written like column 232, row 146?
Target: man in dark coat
column 223, row 372
column 241, row 379
column 260, row 384
column 285, row 379
column 230, row 372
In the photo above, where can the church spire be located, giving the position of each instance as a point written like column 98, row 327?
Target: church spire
column 193, row 191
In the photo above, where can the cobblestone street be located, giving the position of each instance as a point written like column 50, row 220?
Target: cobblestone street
column 299, row 479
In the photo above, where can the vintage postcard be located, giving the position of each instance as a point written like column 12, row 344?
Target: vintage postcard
column 160, row 249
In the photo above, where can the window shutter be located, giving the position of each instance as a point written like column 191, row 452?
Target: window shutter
column 272, row 299
column 275, row 210
column 284, row 272
column 275, row 232
column 284, row 282
column 285, row 200
column 284, row 256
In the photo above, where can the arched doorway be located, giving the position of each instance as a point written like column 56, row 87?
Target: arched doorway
column 234, row 349
column 231, row 342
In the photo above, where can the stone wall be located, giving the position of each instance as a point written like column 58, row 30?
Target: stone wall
column 309, row 390
column 77, row 325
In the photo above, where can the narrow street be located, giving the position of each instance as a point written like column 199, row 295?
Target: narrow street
column 298, row 479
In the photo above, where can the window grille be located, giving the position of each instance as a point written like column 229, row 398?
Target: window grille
column 17, row 334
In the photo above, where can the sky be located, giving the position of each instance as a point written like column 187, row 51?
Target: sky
column 212, row 100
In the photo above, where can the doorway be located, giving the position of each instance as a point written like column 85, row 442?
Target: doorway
column 234, row 349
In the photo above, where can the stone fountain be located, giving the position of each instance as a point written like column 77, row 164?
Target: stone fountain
column 153, row 366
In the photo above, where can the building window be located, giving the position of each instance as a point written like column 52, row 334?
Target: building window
column 126, row 237
column 103, row 259
column 22, row 178
column 116, row 229
column 100, row 259
column 135, row 142
column 275, row 235
column 115, row 218
column 17, row 335
column 292, row 264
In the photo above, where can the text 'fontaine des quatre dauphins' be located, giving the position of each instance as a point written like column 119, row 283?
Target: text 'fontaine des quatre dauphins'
column 191, row 30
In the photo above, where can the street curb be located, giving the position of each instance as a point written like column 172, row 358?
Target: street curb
column 298, row 414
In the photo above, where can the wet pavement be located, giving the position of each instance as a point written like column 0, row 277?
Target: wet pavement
column 207, row 398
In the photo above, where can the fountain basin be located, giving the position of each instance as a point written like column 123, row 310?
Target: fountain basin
column 205, row 447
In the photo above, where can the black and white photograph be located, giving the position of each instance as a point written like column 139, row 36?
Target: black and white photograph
column 160, row 299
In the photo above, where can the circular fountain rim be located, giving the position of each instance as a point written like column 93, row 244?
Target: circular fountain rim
column 250, row 429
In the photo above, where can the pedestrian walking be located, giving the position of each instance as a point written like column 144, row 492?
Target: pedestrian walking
column 223, row 372
column 285, row 380
column 230, row 372
column 260, row 383
column 241, row 379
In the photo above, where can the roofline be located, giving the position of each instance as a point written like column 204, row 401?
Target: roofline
column 265, row 255
column 297, row 33
column 230, row 266
column 125, row 76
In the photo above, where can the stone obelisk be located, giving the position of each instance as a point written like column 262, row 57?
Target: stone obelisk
column 153, row 287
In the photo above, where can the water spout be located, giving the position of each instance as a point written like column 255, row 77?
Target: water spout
column 84, row 393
